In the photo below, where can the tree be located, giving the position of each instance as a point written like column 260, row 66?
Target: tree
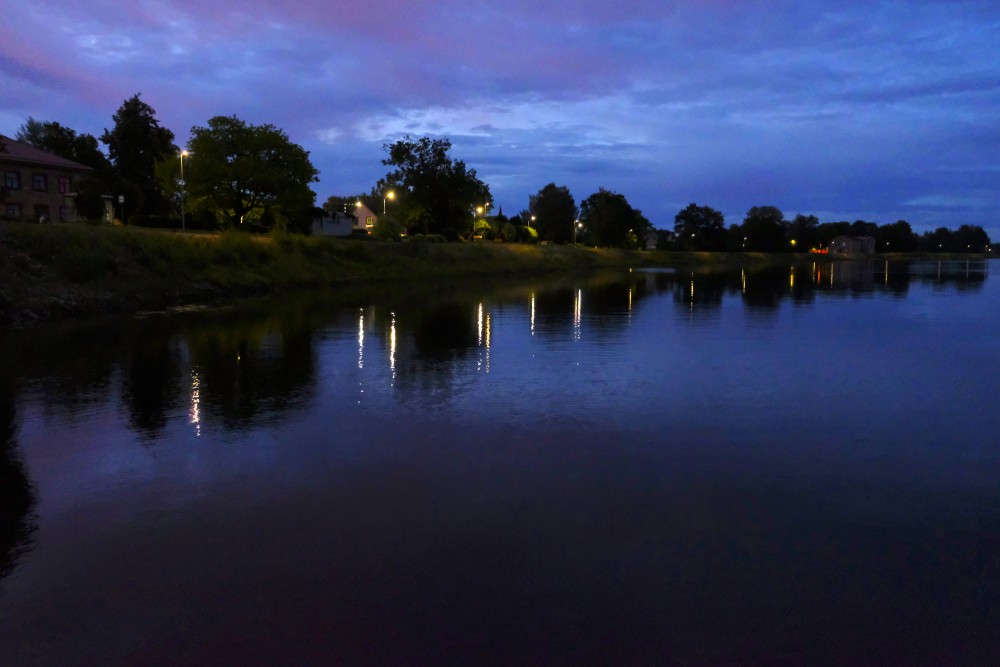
column 249, row 175
column 700, row 228
column 64, row 142
column 81, row 148
column 611, row 221
column 971, row 238
column 135, row 144
column 896, row 237
column 764, row 229
column 553, row 213
column 803, row 232
column 434, row 193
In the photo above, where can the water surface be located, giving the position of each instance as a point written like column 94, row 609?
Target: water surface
column 796, row 466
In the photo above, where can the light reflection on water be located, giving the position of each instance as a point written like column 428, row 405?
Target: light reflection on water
column 788, row 467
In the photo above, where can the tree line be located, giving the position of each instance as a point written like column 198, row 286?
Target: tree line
column 230, row 175
column 236, row 175
column 437, row 195
column 765, row 229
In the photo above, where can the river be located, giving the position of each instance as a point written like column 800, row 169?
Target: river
column 789, row 466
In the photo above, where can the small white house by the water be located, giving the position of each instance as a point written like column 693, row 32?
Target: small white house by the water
column 338, row 224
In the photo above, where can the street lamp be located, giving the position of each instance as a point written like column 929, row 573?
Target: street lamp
column 183, row 221
column 391, row 195
column 576, row 225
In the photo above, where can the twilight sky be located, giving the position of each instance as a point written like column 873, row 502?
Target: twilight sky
column 846, row 110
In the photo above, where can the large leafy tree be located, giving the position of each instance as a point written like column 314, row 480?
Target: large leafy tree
column 700, row 228
column 897, row 237
column 82, row 148
column 553, row 213
column 435, row 194
column 611, row 221
column 249, row 176
column 764, row 229
column 803, row 232
column 63, row 141
column 136, row 143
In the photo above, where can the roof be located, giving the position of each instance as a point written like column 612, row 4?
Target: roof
column 18, row 151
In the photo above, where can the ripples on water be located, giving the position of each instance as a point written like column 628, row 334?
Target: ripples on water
column 788, row 467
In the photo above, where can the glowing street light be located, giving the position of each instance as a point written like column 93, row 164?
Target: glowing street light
column 391, row 195
column 576, row 225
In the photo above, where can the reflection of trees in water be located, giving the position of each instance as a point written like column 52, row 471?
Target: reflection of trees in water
column 239, row 368
column 151, row 383
column 17, row 496
column 764, row 289
column 252, row 372
column 701, row 291
column 430, row 342
column 72, row 366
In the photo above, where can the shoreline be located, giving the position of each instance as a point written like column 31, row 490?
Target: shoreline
column 70, row 271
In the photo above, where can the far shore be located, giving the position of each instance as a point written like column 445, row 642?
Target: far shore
column 53, row 272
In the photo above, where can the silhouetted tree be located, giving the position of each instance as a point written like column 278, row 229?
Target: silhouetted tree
column 896, row 237
column 434, row 193
column 249, row 175
column 803, row 230
column 764, row 229
column 135, row 144
column 700, row 228
column 553, row 213
column 81, row 148
column 609, row 220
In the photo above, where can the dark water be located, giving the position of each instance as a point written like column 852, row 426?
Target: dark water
column 788, row 467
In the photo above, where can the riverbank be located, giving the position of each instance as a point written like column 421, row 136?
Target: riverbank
column 50, row 272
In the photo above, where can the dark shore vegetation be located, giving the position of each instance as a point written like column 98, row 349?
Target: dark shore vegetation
column 50, row 272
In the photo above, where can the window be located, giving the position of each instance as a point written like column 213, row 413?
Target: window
column 65, row 214
column 42, row 213
column 40, row 182
column 14, row 211
column 368, row 221
column 64, row 182
column 12, row 180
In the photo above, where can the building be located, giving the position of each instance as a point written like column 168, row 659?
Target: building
column 37, row 185
column 852, row 245
column 366, row 217
column 338, row 224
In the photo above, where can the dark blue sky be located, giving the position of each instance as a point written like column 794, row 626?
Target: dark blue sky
column 848, row 110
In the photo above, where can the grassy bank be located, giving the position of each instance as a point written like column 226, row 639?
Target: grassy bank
column 57, row 271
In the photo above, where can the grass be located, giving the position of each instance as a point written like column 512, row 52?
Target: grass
column 51, row 271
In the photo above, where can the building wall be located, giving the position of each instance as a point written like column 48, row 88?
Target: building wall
column 36, row 191
column 339, row 224
column 37, row 185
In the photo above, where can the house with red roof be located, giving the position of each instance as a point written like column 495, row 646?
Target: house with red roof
column 36, row 185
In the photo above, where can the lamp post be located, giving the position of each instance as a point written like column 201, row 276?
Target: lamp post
column 391, row 195
column 576, row 225
column 183, row 221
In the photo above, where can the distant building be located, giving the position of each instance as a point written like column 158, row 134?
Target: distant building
column 338, row 224
column 366, row 217
column 852, row 245
column 37, row 185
